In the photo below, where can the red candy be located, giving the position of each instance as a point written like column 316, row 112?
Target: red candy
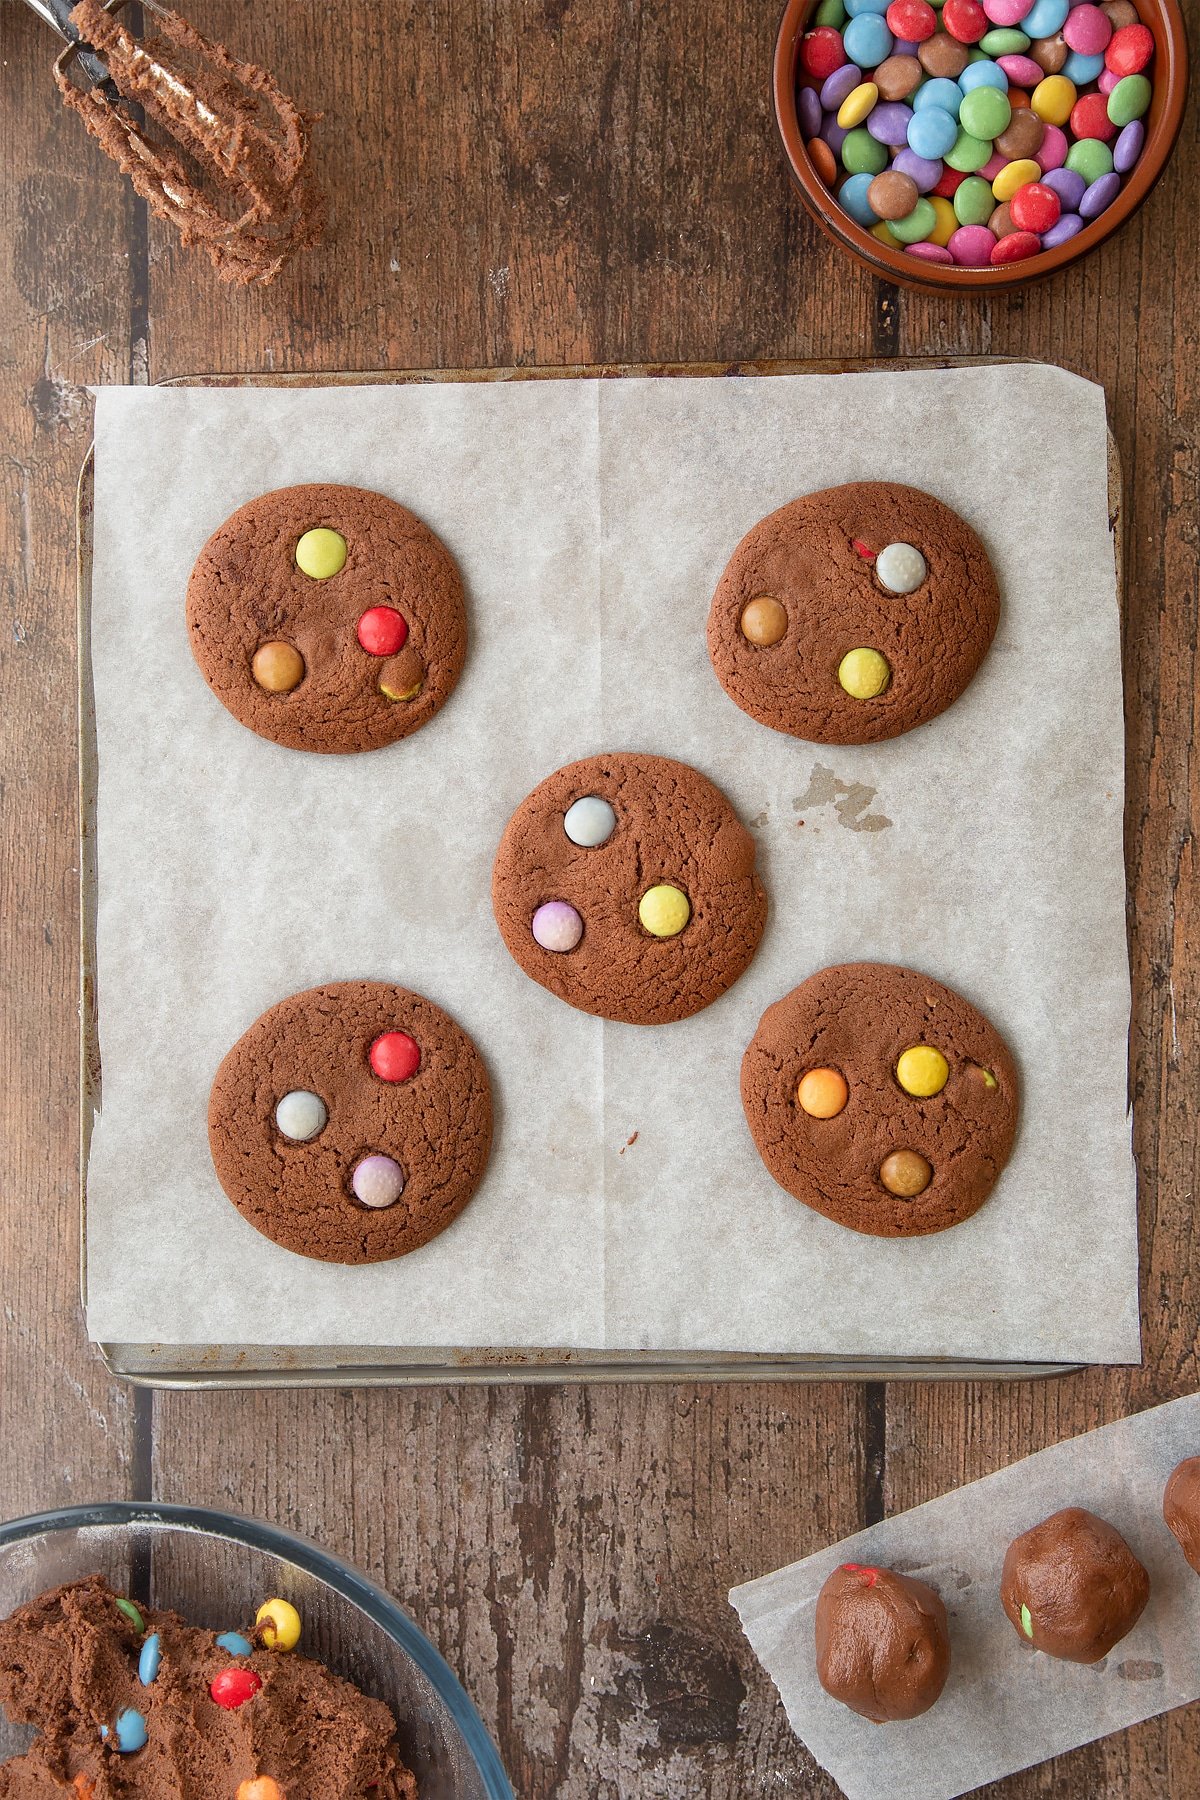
column 395, row 1056
column 863, row 549
column 948, row 182
column 1035, row 207
column 1016, row 246
column 1089, row 118
column 233, row 1687
column 911, row 20
column 965, row 20
column 870, row 1576
column 1129, row 50
column 821, row 52
column 382, row 631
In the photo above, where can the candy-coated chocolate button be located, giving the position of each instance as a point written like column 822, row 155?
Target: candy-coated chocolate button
column 857, row 105
column 557, row 926
column 922, row 1071
column 377, row 1181
column 278, row 1624
column 85, row 1788
column 391, row 692
column 382, row 631
column 822, row 1093
column 1026, row 1621
column 905, row 1173
column 664, row 910
column 983, row 1077
column 864, row 673
column 149, row 1659
column 763, row 621
column 901, row 568
column 233, row 1687
column 278, row 668
column 300, row 1115
column 321, row 553
column 395, row 1056
column 235, row 1643
column 130, row 1611
column 128, row 1730
column 263, row 1787
column 589, row 822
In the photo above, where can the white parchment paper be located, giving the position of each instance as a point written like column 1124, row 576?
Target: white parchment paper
column 1003, row 1707
column 591, row 521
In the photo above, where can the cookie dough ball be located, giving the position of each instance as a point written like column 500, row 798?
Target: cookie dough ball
column 1072, row 1586
column 1181, row 1508
column 883, row 1648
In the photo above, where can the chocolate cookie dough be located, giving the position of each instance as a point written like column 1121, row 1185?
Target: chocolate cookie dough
column 1181, row 1508
column 327, row 618
column 853, row 614
column 882, row 1645
column 130, row 1702
column 351, row 1122
column 1072, row 1586
column 881, row 1098
column 625, row 884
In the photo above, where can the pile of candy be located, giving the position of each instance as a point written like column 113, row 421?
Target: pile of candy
column 974, row 132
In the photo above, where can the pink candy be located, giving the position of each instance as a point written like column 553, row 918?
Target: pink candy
column 971, row 246
column 1021, row 69
column 1053, row 151
column 1006, row 12
column 993, row 166
column 1108, row 80
column 1087, row 30
column 935, row 253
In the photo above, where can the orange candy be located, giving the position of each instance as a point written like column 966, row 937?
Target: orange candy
column 823, row 160
column 822, row 1093
column 85, row 1787
column 263, row 1787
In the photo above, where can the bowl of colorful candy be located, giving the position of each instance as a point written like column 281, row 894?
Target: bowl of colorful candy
column 145, row 1649
column 977, row 144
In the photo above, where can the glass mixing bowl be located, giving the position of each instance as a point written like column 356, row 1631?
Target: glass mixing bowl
column 216, row 1569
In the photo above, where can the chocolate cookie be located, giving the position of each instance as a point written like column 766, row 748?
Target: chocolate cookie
column 625, row 884
column 1181, row 1508
column 853, row 614
column 883, row 1647
column 881, row 1099
column 1072, row 1586
column 327, row 618
column 351, row 1122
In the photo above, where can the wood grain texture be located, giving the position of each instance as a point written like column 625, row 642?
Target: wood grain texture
column 565, row 181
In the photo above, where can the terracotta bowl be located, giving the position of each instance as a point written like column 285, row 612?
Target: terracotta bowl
column 1169, row 73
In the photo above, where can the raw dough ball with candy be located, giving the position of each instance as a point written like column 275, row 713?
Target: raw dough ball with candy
column 1072, row 1586
column 883, row 1646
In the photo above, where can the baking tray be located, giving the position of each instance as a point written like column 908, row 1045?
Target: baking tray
column 240, row 1365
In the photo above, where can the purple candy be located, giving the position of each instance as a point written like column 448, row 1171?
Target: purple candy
column 1064, row 227
column 1128, row 146
column 1022, row 69
column 808, row 111
column 888, row 122
column 556, row 926
column 834, row 134
column 902, row 47
column 843, row 81
column 924, row 170
column 1068, row 185
column 1102, row 193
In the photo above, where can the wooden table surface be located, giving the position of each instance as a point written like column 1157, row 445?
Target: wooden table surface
column 559, row 181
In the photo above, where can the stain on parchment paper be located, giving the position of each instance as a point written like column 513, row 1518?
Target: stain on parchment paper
column 849, row 799
column 1140, row 1671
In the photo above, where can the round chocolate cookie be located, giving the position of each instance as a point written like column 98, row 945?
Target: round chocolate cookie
column 1072, row 1586
column 853, row 614
column 327, row 618
column 351, row 1122
column 1181, row 1508
column 625, row 884
column 881, row 1099
column 883, row 1648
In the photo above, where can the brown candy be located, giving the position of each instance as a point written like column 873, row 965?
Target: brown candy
column 1050, row 53
column 896, row 77
column 892, row 195
column 763, row 621
column 1181, row 1508
column 883, row 1648
column 1022, row 136
column 1119, row 13
column 1001, row 221
column 943, row 55
column 905, row 1173
column 277, row 667
column 1072, row 1586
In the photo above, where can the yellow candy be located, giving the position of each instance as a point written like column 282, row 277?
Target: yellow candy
column 857, row 105
column 864, row 673
column 278, row 1624
column 1015, row 175
column 408, row 693
column 664, row 911
column 883, row 232
column 922, row 1071
column 321, row 553
column 1052, row 100
column 947, row 223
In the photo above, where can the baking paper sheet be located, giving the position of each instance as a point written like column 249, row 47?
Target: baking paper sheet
column 625, row 1206
column 1003, row 1707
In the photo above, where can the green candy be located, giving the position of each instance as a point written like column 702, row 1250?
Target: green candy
column 966, row 154
column 917, row 225
column 1090, row 158
column 1006, row 40
column 975, row 54
column 1129, row 99
column 131, row 1613
column 1026, row 1622
column 831, row 12
column 984, row 113
column 862, row 154
column 973, row 201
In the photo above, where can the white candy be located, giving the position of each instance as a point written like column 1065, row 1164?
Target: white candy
column 591, row 821
column 300, row 1115
column 900, row 568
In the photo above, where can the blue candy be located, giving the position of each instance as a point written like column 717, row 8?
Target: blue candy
column 938, row 92
column 856, row 7
column 149, row 1659
column 130, row 1730
column 867, row 40
column 932, row 132
column 983, row 74
column 235, row 1643
column 1045, row 17
column 853, row 196
column 1082, row 69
